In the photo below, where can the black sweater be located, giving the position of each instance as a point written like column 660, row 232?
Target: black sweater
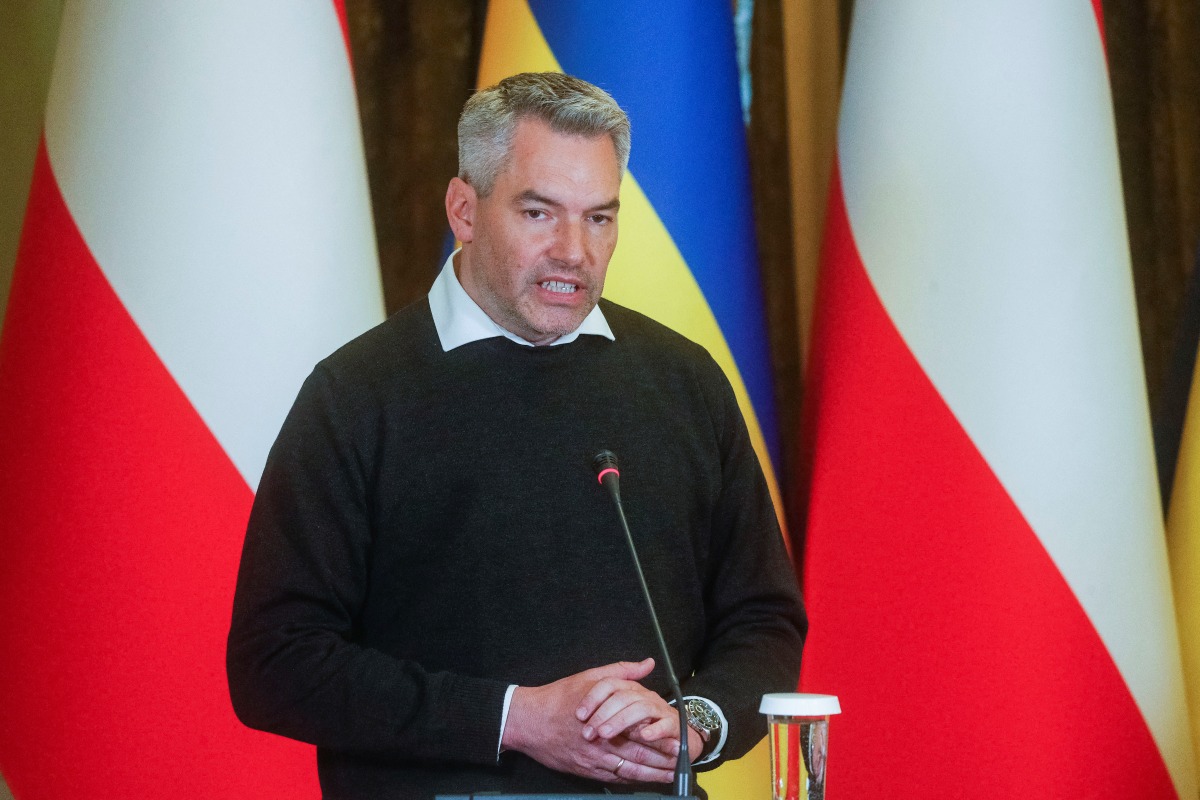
column 428, row 530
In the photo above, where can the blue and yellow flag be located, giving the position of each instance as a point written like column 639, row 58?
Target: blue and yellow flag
column 687, row 255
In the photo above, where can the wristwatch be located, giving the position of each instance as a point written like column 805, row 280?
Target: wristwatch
column 703, row 717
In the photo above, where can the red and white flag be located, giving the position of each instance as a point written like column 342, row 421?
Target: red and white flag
column 985, row 567
column 198, row 235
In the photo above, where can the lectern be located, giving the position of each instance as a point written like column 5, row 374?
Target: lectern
column 493, row 796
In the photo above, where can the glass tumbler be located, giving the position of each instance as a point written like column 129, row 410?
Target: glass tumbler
column 799, row 735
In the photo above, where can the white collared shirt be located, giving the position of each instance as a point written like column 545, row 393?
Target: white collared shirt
column 459, row 319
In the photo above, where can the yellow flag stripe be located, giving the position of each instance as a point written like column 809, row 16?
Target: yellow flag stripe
column 1183, row 547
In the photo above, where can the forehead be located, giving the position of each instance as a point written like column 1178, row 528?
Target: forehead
column 542, row 159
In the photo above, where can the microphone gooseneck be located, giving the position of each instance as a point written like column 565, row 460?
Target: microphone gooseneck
column 609, row 476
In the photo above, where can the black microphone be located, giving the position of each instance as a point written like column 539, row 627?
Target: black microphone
column 605, row 465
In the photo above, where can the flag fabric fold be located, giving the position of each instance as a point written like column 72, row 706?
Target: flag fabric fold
column 198, row 234
column 984, row 564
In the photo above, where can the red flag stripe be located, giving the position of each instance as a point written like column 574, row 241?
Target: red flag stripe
column 964, row 662
column 340, row 7
column 1098, row 8
column 123, row 521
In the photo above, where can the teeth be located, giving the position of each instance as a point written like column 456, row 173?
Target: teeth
column 558, row 286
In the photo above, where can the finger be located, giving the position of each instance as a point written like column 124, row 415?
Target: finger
column 623, row 670
column 631, row 705
column 607, row 766
column 605, row 700
column 660, row 729
column 628, row 713
column 666, row 745
column 628, row 762
column 631, row 772
column 642, row 754
column 601, row 691
column 596, row 696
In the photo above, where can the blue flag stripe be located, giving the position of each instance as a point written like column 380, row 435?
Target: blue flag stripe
column 672, row 66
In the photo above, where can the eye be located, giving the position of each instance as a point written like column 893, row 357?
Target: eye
column 600, row 219
column 534, row 213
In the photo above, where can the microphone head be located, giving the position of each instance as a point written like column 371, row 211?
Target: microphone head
column 605, row 465
column 605, row 459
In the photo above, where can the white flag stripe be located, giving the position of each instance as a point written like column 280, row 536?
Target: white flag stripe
column 211, row 157
column 988, row 212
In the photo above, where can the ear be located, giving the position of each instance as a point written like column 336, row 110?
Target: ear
column 461, row 202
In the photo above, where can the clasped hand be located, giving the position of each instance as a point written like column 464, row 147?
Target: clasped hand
column 601, row 724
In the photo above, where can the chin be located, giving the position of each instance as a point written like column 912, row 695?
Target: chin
column 558, row 326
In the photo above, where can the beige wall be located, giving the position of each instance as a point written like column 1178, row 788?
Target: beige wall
column 28, row 29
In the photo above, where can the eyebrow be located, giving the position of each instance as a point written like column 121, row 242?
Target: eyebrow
column 531, row 196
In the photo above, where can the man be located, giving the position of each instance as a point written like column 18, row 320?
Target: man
column 434, row 590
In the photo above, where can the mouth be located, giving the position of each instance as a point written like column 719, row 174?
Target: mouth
column 559, row 287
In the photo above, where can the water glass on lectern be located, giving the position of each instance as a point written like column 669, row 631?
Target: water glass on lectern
column 799, row 736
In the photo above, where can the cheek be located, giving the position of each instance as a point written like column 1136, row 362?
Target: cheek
column 512, row 254
column 531, row 254
column 604, row 247
column 602, row 240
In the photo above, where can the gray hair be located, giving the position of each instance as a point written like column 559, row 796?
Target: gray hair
column 568, row 105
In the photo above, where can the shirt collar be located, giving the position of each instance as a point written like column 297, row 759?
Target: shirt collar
column 459, row 319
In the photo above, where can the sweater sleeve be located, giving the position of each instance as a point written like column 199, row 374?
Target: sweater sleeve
column 756, row 622
column 293, row 664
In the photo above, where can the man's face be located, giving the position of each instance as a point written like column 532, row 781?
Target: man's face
column 535, row 251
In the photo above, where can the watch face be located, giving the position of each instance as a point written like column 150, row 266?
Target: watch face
column 701, row 715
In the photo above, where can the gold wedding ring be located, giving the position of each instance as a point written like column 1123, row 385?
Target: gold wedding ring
column 617, row 768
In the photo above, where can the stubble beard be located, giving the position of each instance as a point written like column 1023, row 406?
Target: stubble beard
column 548, row 320
column 513, row 305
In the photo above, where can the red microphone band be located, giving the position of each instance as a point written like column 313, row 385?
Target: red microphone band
column 604, row 472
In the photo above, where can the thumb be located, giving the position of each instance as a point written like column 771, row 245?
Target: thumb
column 621, row 670
column 633, row 670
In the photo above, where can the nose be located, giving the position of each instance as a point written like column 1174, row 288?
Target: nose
column 569, row 247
